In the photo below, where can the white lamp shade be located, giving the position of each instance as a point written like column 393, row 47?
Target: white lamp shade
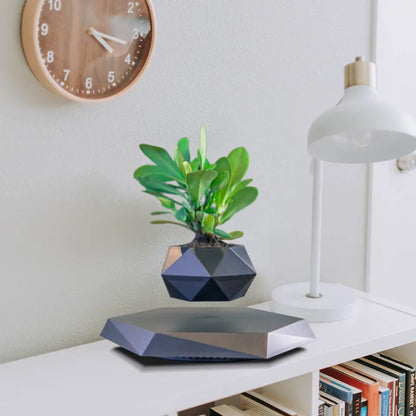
column 362, row 129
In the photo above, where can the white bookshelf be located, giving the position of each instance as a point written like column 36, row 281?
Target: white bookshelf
column 97, row 379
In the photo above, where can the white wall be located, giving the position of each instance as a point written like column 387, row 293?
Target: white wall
column 393, row 249
column 76, row 243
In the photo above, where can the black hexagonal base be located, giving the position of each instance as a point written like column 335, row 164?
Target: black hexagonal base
column 201, row 274
column 202, row 334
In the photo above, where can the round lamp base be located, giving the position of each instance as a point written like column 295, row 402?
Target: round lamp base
column 336, row 303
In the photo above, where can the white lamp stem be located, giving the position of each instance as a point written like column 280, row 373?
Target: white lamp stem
column 337, row 302
column 316, row 229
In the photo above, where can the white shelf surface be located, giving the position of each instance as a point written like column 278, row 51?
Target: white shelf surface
column 97, row 379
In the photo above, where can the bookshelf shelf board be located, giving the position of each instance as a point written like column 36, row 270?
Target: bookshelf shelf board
column 97, row 378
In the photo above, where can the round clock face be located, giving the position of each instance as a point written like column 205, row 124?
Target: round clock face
column 87, row 50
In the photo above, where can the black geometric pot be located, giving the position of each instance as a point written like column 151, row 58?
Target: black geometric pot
column 204, row 274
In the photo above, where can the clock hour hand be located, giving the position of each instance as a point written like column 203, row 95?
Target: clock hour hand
column 98, row 36
column 109, row 37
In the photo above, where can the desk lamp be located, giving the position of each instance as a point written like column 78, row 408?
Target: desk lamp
column 361, row 128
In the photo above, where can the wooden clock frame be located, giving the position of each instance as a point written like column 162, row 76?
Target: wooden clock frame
column 30, row 44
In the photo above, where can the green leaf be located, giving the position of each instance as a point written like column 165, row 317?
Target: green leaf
column 231, row 236
column 160, row 212
column 222, row 234
column 202, row 152
column 161, row 158
column 220, row 181
column 179, row 160
column 182, row 215
column 210, row 210
column 236, row 234
column 159, row 222
column 207, row 165
column 159, row 195
column 222, row 165
column 241, row 186
column 153, row 184
column 183, row 146
column 242, row 199
column 151, row 170
column 195, row 164
column 209, row 223
column 188, row 168
column 239, row 161
column 198, row 182
column 166, row 203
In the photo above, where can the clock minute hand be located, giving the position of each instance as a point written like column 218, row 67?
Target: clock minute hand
column 109, row 37
column 100, row 39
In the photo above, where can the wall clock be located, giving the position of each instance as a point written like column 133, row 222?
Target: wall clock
column 88, row 50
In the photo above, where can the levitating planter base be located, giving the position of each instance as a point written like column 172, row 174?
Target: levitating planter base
column 208, row 273
column 214, row 334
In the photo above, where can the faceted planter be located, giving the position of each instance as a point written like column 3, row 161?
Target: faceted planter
column 200, row 274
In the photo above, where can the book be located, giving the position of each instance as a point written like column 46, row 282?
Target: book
column 254, row 412
column 383, row 379
column 387, row 371
column 384, row 401
column 401, row 376
column 330, row 406
column 226, row 410
column 341, row 403
column 201, row 410
column 265, row 404
column 410, row 383
column 368, row 386
column 334, row 375
column 338, row 390
column 327, row 409
column 321, row 409
column 364, row 406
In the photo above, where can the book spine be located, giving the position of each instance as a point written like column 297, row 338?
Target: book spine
column 364, row 409
column 321, row 410
column 402, row 395
column 384, row 403
column 356, row 404
column 411, row 393
column 328, row 410
column 247, row 403
column 334, row 391
column 392, row 398
column 348, row 408
column 395, row 395
column 410, row 384
column 401, row 405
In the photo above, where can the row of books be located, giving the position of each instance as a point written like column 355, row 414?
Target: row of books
column 254, row 404
column 375, row 385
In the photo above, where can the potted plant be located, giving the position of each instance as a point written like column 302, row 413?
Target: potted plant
column 202, row 197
